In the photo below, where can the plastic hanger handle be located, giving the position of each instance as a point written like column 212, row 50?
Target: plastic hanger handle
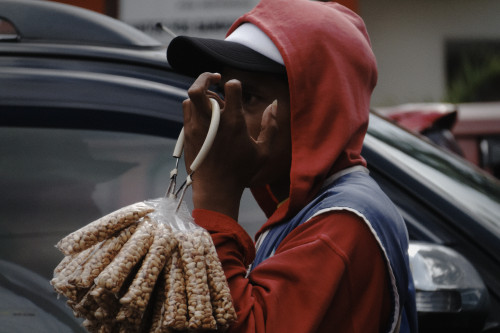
column 209, row 140
column 179, row 145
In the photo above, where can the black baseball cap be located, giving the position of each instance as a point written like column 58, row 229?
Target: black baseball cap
column 247, row 48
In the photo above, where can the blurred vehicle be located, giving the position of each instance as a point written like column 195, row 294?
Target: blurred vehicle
column 89, row 114
column 477, row 131
column 471, row 130
column 433, row 120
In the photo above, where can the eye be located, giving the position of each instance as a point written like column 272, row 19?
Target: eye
column 249, row 98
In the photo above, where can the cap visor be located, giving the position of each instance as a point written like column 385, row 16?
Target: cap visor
column 193, row 56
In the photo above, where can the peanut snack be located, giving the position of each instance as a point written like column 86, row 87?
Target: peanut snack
column 135, row 301
column 108, row 304
column 174, row 310
column 103, row 256
column 63, row 264
column 86, row 307
column 103, row 228
column 113, row 276
column 220, row 294
column 192, row 257
column 159, row 300
column 68, row 266
column 91, row 325
column 62, row 282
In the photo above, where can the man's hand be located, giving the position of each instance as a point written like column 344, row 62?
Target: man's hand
column 235, row 156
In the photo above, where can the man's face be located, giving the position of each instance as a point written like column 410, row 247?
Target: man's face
column 258, row 92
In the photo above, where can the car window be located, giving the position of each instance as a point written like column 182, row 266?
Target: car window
column 54, row 181
column 451, row 176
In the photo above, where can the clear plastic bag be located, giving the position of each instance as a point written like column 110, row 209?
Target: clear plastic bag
column 189, row 259
column 136, row 300
column 174, row 309
column 102, row 228
column 113, row 276
column 158, row 273
column 103, row 256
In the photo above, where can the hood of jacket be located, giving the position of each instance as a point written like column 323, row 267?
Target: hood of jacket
column 331, row 73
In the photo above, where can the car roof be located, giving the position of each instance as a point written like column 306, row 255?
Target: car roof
column 45, row 21
column 81, row 65
column 68, row 31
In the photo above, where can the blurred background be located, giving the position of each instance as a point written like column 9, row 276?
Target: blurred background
column 439, row 61
column 426, row 50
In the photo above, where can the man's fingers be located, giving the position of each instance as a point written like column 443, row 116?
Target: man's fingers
column 198, row 91
column 211, row 94
column 186, row 110
column 233, row 95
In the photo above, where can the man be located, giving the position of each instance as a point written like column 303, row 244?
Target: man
column 296, row 78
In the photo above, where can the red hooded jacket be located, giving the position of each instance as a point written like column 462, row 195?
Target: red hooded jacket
column 324, row 276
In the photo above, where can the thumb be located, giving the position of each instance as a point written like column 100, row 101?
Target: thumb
column 269, row 126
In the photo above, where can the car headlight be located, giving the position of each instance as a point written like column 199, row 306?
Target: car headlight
column 450, row 294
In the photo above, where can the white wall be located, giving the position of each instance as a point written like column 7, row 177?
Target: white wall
column 408, row 39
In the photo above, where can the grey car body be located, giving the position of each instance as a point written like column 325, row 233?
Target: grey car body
column 89, row 114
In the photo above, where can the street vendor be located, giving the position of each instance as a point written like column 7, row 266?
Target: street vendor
column 294, row 79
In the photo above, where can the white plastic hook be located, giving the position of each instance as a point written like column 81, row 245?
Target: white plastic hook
column 209, row 140
column 205, row 148
column 179, row 145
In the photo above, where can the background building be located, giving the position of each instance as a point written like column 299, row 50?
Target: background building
column 412, row 39
column 421, row 46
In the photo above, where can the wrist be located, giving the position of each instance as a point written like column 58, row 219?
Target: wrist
column 217, row 198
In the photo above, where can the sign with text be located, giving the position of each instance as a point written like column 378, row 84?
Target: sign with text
column 200, row 18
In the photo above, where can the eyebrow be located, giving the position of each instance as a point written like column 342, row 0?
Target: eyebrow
column 250, row 86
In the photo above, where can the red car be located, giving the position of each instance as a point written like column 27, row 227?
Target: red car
column 470, row 129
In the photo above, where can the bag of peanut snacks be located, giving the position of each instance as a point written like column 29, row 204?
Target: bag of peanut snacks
column 146, row 267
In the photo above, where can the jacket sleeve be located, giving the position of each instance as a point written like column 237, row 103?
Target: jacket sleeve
column 323, row 277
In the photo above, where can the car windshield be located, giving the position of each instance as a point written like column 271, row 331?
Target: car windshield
column 453, row 177
column 54, row 181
